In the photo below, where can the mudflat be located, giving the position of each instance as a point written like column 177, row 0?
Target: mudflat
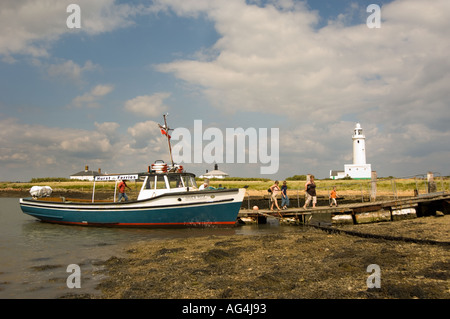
column 304, row 262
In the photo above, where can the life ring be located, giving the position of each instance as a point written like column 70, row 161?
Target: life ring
column 159, row 165
column 159, row 168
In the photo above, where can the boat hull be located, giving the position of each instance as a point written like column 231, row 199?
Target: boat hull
column 200, row 208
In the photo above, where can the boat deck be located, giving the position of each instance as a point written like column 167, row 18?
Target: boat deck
column 72, row 200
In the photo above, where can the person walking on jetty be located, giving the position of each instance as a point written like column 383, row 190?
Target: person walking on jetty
column 310, row 192
column 333, row 196
column 284, row 196
column 122, row 194
column 275, row 189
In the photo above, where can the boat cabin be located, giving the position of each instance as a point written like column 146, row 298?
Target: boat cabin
column 160, row 183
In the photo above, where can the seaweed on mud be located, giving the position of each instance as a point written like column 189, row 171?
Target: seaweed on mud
column 45, row 267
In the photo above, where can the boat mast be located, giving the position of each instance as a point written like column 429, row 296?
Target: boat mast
column 167, row 130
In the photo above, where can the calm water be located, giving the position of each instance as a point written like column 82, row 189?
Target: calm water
column 34, row 256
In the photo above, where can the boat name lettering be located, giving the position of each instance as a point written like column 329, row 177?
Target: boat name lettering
column 195, row 197
column 116, row 177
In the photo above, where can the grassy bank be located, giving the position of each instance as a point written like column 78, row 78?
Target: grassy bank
column 385, row 187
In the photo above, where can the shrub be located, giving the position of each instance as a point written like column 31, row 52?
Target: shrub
column 50, row 179
column 297, row 178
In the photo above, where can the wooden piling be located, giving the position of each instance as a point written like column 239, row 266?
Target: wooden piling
column 373, row 189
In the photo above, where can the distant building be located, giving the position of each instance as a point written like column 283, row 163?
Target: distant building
column 214, row 173
column 86, row 175
column 359, row 169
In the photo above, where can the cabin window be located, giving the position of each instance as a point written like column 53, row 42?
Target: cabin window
column 189, row 181
column 150, row 184
column 160, row 182
column 175, row 181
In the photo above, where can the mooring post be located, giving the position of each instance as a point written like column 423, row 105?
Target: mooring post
column 354, row 218
column 431, row 183
column 373, row 191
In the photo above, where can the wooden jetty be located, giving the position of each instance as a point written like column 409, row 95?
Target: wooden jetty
column 356, row 213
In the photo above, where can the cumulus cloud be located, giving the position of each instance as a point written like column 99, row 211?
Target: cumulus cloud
column 276, row 59
column 32, row 150
column 70, row 70
column 37, row 140
column 271, row 60
column 148, row 105
column 144, row 135
column 90, row 99
column 30, row 27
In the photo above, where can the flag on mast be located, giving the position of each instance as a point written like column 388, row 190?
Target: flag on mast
column 164, row 130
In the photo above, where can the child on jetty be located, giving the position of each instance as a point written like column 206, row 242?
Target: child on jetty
column 333, row 196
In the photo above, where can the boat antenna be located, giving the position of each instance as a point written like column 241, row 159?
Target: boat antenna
column 165, row 130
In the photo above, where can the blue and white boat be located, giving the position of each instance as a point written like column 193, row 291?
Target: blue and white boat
column 169, row 196
column 165, row 199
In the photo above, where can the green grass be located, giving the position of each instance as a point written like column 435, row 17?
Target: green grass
column 403, row 187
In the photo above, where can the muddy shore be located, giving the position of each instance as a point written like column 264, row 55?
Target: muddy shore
column 304, row 262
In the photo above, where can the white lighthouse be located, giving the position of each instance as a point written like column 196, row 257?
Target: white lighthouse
column 359, row 146
column 359, row 169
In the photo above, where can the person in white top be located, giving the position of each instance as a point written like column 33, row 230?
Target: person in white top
column 275, row 190
column 205, row 185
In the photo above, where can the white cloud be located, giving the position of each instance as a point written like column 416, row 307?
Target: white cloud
column 274, row 61
column 29, row 27
column 70, row 70
column 148, row 105
column 38, row 151
column 90, row 99
column 145, row 134
column 108, row 128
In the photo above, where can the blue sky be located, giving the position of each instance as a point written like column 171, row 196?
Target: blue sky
column 93, row 96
